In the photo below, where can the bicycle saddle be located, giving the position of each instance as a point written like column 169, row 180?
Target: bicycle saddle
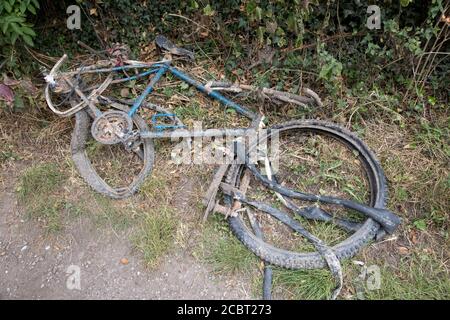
column 167, row 45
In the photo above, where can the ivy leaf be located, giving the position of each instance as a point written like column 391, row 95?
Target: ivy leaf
column 208, row 11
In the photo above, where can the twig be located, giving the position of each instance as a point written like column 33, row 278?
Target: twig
column 311, row 45
column 190, row 20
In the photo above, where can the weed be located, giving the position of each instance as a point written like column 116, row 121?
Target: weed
column 156, row 235
column 419, row 277
column 304, row 284
column 223, row 251
column 39, row 181
column 110, row 214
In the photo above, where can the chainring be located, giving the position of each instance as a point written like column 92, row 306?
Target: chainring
column 112, row 127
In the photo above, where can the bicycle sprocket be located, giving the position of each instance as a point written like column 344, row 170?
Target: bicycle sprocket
column 111, row 127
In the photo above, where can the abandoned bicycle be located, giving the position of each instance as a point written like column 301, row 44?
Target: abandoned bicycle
column 104, row 119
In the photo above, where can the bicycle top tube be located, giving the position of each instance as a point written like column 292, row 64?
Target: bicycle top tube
column 161, row 68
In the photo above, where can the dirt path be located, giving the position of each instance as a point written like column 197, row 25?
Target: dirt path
column 35, row 266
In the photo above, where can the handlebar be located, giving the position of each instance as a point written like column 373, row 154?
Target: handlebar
column 51, row 83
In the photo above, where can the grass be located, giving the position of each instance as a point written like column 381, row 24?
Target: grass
column 49, row 212
column 221, row 249
column 303, row 284
column 420, row 276
column 109, row 213
column 39, row 181
column 191, row 112
column 6, row 155
column 156, row 235
column 37, row 191
column 154, row 185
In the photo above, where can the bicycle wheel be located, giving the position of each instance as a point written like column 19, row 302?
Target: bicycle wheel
column 111, row 169
column 278, row 252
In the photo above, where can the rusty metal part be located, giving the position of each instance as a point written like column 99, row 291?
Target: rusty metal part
column 111, row 127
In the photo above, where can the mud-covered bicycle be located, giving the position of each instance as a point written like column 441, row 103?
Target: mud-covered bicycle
column 109, row 120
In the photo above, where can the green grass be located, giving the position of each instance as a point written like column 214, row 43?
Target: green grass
column 6, row 155
column 156, row 235
column 39, row 181
column 303, row 284
column 154, row 185
column 223, row 251
column 192, row 112
column 420, row 276
column 106, row 213
column 49, row 211
column 37, row 191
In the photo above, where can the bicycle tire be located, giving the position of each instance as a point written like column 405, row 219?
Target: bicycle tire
column 345, row 249
column 82, row 132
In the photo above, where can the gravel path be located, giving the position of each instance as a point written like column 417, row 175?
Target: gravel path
column 36, row 266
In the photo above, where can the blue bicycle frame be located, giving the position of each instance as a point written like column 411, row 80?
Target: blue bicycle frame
column 160, row 69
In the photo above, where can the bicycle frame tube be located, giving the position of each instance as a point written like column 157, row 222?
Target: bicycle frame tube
column 184, row 77
column 213, row 94
column 163, row 68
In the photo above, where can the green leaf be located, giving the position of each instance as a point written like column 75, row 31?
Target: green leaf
column 5, row 27
column 23, row 7
column 405, row 3
column 36, row 3
column 260, row 33
column 258, row 12
column 16, row 28
column 8, row 7
column 18, row 103
column 28, row 40
column 15, row 19
column 194, row 4
column 14, row 37
column 208, row 11
column 420, row 224
column 29, row 31
column 32, row 10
